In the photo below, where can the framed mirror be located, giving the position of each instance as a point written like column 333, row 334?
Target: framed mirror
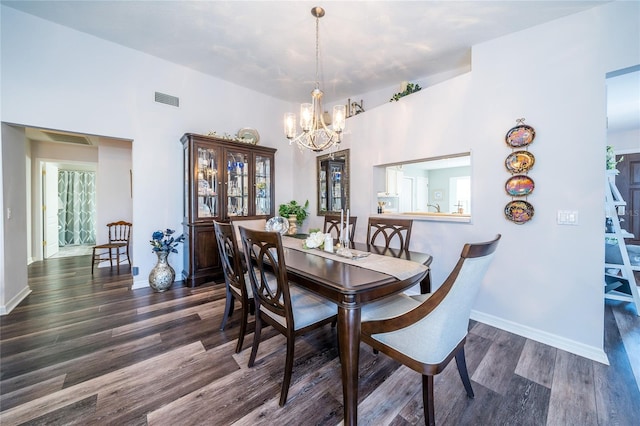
column 333, row 182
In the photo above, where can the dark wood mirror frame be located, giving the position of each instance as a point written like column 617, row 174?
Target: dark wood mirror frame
column 321, row 184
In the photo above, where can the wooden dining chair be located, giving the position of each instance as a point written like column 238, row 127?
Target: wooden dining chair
column 288, row 308
column 236, row 280
column 332, row 223
column 119, row 234
column 426, row 331
column 385, row 231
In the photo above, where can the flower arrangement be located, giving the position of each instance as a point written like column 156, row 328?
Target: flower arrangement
column 314, row 240
column 293, row 208
column 164, row 241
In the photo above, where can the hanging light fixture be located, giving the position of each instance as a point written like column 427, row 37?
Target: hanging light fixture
column 316, row 134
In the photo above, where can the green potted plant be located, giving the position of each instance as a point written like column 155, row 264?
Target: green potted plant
column 292, row 208
column 295, row 213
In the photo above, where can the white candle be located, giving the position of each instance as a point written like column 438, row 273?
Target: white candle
column 341, row 224
column 347, row 228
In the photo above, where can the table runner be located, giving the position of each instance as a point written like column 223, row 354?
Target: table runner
column 399, row 268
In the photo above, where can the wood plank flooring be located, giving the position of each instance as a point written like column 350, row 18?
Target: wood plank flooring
column 87, row 350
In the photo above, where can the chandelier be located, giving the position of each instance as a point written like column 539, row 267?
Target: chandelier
column 316, row 134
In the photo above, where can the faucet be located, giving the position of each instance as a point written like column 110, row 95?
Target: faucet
column 435, row 206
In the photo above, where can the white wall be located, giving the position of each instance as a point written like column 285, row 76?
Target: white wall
column 13, row 283
column 113, row 187
column 113, row 95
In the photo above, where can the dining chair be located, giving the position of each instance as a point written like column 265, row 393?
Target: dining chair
column 425, row 332
column 119, row 234
column 289, row 309
column 387, row 230
column 236, row 279
column 332, row 223
column 239, row 221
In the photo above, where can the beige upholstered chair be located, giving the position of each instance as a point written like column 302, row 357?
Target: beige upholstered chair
column 425, row 332
column 332, row 226
column 289, row 309
column 119, row 234
column 236, row 279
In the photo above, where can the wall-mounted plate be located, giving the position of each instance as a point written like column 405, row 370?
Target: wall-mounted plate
column 518, row 211
column 520, row 136
column 519, row 162
column 519, row 186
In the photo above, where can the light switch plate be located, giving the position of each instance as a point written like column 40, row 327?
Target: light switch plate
column 567, row 217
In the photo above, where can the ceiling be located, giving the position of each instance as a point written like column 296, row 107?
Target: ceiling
column 269, row 46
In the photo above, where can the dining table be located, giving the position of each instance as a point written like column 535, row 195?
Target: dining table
column 352, row 282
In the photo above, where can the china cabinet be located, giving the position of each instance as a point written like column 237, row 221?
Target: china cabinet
column 333, row 183
column 223, row 179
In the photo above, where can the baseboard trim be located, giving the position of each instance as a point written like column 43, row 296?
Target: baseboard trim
column 15, row 301
column 577, row 348
column 140, row 284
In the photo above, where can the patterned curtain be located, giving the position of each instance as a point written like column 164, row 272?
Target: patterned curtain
column 76, row 212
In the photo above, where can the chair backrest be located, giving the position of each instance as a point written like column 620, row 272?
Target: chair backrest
column 386, row 230
column 263, row 250
column 444, row 316
column 332, row 223
column 237, row 222
column 119, row 232
column 231, row 258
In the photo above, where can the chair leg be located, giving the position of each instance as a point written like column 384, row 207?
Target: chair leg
column 427, row 400
column 288, row 368
column 228, row 309
column 256, row 340
column 243, row 328
column 93, row 259
column 464, row 374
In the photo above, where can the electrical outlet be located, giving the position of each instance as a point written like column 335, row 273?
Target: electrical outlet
column 134, row 271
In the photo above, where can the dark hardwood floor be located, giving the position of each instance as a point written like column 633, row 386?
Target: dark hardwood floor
column 88, row 350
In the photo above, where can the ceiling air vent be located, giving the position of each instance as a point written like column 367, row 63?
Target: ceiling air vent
column 167, row 99
column 63, row 137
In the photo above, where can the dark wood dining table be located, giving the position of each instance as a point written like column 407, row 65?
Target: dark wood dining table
column 350, row 287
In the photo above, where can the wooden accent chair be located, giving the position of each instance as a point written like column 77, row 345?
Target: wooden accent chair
column 235, row 277
column 426, row 331
column 332, row 223
column 289, row 309
column 119, row 234
column 386, row 230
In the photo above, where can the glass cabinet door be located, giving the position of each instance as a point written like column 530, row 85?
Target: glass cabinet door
column 332, row 189
column 335, row 181
column 263, row 185
column 207, row 172
column 237, row 184
column 322, row 185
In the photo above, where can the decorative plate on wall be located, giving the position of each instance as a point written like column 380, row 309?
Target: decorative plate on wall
column 519, row 162
column 518, row 211
column 519, row 186
column 520, row 136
